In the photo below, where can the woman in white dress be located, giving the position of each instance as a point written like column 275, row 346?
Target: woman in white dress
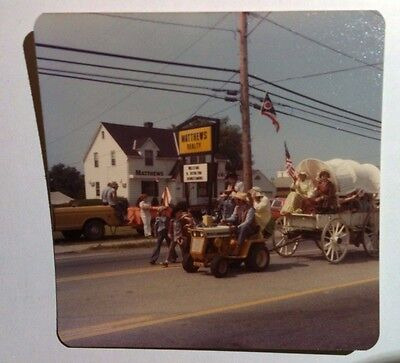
column 303, row 188
column 145, row 215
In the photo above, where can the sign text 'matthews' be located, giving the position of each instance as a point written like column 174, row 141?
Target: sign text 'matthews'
column 196, row 140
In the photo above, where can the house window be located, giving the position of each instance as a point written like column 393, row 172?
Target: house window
column 97, row 189
column 150, row 188
column 113, row 158
column 102, row 135
column 148, row 158
column 202, row 190
column 96, row 160
column 202, row 159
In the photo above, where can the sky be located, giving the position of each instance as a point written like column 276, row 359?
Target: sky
column 335, row 57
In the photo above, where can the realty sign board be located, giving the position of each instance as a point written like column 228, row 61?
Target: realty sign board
column 194, row 173
column 195, row 141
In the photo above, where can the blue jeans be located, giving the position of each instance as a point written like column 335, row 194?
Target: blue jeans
column 161, row 236
column 245, row 232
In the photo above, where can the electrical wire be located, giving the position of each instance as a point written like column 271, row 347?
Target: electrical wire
column 328, row 126
column 166, row 22
column 316, row 41
column 228, row 99
column 203, row 67
column 135, row 79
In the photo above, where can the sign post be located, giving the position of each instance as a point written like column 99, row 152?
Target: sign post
column 201, row 139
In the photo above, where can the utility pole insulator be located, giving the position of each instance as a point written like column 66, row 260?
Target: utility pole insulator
column 244, row 104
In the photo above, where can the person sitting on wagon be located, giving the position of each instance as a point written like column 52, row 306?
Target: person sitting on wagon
column 262, row 207
column 243, row 217
column 296, row 201
column 325, row 200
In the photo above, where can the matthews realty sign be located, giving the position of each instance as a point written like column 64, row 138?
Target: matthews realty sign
column 195, row 173
column 195, row 141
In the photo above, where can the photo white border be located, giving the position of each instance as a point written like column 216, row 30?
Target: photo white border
column 27, row 276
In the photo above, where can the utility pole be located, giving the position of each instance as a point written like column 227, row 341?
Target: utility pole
column 244, row 104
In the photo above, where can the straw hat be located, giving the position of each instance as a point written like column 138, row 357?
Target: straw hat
column 241, row 196
column 256, row 192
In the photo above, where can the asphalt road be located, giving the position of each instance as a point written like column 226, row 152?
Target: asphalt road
column 301, row 303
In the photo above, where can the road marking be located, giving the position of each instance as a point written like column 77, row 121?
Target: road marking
column 100, row 275
column 130, row 324
column 94, row 330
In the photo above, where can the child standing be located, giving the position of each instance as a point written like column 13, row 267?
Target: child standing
column 179, row 234
column 161, row 232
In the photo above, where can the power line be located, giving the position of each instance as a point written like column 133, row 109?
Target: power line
column 136, row 70
column 140, row 59
column 322, row 110
column 375, row 128
column 331, row 127
column 166, row 23
column 327, row 72
column 312, row 99
column 327, row 117
column 316, row 41
column 136, row 80
column 228, row 99
column 192, row 44
column 194, row 77
column 203, row 67
column 256, row 26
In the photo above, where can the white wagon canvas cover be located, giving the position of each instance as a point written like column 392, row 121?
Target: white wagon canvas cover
column 347, row 175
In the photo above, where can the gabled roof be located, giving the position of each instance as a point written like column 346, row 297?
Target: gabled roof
column 125, row 135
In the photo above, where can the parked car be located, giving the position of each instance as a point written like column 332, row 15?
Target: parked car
column 276, row 206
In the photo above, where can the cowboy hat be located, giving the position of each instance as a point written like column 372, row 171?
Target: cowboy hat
column 241, row 196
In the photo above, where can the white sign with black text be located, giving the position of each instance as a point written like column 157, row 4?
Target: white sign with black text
column 194, row 173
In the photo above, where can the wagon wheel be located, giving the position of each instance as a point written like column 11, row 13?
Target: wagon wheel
column 335, row 239
column 371, row 237
column 284, row 245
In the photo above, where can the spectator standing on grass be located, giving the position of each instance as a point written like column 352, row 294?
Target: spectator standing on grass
column 161, row 231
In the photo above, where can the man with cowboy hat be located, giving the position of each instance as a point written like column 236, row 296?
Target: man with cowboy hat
column 243, row 217
column 261, row 206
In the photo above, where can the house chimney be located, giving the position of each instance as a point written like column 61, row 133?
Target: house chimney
column 148, row 124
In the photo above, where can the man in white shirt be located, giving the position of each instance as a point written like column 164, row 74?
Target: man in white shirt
column 104, row 193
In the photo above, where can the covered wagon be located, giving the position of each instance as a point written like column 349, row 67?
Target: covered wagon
column 334, row 232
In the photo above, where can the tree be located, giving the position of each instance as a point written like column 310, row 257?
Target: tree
column 230, row 144
column 67, row 180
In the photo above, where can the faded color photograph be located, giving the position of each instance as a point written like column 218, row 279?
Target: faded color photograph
column 214, row 178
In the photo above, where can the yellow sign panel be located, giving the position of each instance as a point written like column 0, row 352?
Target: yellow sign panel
column 198, row 140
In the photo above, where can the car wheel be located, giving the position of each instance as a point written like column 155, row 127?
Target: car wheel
column 219, row 266
column 94, row 229
column 258, row 258
column 187, row 264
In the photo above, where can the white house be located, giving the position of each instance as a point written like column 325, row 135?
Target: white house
column 261, row 181
column 142, row 159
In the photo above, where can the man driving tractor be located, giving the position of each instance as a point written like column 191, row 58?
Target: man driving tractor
column 243, row 218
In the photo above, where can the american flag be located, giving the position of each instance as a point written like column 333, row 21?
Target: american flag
column 289, row 164
column 267, row 109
